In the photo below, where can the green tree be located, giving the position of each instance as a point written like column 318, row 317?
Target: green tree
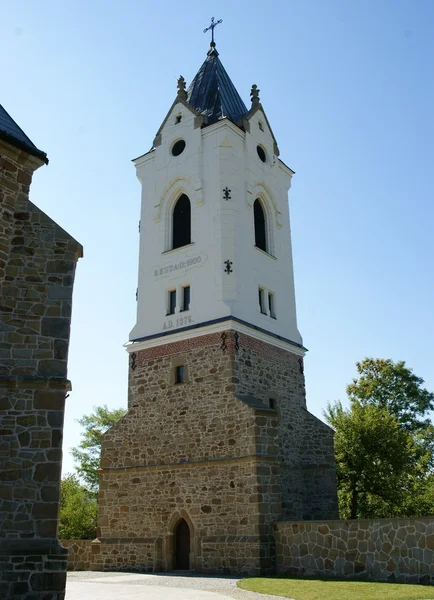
column 395, row 387
column 384, row 443
column 375, row 456
column 78, row 511
column 88, row 453
column 421, row 501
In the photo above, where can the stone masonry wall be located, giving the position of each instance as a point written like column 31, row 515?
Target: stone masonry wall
column 37, row 266
column 399, row 550
column 306, row 452
column 79, row 554
column 142, row 505
column 211, row 449
column 167, row 423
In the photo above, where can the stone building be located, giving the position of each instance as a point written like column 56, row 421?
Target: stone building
column 217, row 445
column 37, row 266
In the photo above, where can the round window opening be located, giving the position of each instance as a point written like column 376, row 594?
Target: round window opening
column 261, row 153
column 178, row 147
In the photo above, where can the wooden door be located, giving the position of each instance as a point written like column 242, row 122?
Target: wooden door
column 182, row 546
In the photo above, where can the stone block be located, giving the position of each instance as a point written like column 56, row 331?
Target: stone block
column 20, row 588
column 47, row 472
column 56, row 327
column 60, row 349
column 41, row 582
column 50, row 493
column 56, row 438
column 55, row 418
column 59, row 266
column 10, row 475
column 59, row 292
column 47, row 527
column 429, row 542
column 45, row 510
column 49, row 400
column 53, row 368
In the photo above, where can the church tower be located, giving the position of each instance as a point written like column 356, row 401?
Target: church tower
column 217, row 444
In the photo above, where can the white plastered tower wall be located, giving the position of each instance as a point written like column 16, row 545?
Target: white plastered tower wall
column 218, row 157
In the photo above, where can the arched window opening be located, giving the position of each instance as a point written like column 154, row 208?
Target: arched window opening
column 181, row 232
column 181, row 546
column 260, row 226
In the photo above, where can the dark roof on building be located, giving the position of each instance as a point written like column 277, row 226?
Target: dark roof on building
column 13, row 134
column 212, row 92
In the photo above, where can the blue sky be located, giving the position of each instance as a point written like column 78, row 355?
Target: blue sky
column 348, row 89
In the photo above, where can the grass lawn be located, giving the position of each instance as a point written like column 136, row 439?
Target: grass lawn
column 317, row 589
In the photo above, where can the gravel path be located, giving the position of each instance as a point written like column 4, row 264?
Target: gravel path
column 83, row 585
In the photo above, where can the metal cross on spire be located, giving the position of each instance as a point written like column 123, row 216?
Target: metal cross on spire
column 212, row 27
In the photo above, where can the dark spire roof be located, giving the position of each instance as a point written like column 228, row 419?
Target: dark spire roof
column 213, row 94
column 13, row 134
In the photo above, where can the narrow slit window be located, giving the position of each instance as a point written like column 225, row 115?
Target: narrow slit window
column 179, row 374
column 260, row 226
column 186, row 298
column 181, row 225
column 261, row 301
column 172, row 302
column 271, row 307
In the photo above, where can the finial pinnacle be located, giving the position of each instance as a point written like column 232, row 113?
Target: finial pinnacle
column 254, row 95
column 181, row 88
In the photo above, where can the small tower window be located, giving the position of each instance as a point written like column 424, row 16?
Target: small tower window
column 186, row 297
column 172, row 302
column 271, row 307
column 178, row 147
column 181, row 232
column 261, row 153
column 261, row 127
column 178, row 119
column 261, row 301
column 260, row 226
column 272, row 403
column 179, row 374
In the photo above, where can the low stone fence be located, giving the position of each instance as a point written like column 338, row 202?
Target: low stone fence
column 242, row 554
column 127, row 554
column 79, row 554
column 379, row 550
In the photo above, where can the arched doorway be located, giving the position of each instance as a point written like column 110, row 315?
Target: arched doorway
column 181, row 546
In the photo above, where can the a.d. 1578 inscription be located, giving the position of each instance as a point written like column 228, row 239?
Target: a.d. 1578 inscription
column 178, row 322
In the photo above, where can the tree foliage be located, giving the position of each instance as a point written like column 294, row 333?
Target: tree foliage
column 373, row 454
column 78, row 511
column 384, row 443
column 395, row 387
column 88, row 453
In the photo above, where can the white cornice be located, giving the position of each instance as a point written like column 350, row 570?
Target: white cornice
column 214, row 328
column 285, row 168
column 141, row 160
